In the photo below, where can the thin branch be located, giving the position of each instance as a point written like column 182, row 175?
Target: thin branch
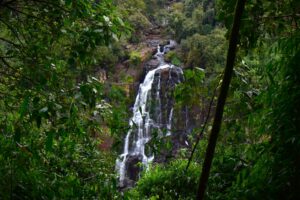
column 272, row 17
column 26, row 14
column 9, row 75
column 51, row 3
column 10, row 42
column 203, row 128
column 13, row 31
column 5, row 95
column 15, row 70
column 8, row 2
column 21, row 24
column 280, row 16
column 6, row 56
column 3, row 4
column 8, row 65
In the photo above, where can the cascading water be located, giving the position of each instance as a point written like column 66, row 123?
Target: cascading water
column 145, row 119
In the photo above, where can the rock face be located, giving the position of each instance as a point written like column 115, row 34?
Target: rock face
column 151, row 64
column 168, row 45
column 174, row 122
column 165, row 81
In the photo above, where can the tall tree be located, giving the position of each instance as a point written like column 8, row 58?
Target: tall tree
column 221, row 99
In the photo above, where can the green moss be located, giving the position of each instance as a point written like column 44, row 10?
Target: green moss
column 135, row 58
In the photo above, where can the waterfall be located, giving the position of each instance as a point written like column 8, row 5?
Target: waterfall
column 144, row 119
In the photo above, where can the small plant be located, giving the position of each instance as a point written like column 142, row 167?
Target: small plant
column 135, row 58
column 173, row 58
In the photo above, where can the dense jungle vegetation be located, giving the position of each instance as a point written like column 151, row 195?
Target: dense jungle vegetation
column 68, row 73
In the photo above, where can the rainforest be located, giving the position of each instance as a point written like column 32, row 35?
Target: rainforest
column 150, row 99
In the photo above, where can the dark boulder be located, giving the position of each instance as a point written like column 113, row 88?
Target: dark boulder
column 133, row 167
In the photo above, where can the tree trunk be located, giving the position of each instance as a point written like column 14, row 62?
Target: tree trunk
column 222, row 98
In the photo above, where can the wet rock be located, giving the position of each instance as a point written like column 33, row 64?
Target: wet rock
column 153, row 43
column 132, row 166
column 154, row 31
column 170, row 46
column 164, row 43
column 151, row 64
column 173, row 75
column 164, row 73
column 126, row 184
column 166, row 78
column 161, row 48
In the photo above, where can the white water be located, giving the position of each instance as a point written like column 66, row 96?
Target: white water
column 141, row 120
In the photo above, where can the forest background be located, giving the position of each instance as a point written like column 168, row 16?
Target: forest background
column 67, row 73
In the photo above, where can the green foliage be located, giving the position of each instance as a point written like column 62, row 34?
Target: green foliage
column 205, row 51
column 117, row 121
column 173, row 57
column 202, row 41
column 259, row 136
column 167, row 182
column 159, row 145
column 108, row 56
column 277, row 163
column 135, row 58
column 135, row 13
column 139, row 21
column 51, row 152
column 263, row 98
column 186, row 93
column 52, row 114
column 190, row 17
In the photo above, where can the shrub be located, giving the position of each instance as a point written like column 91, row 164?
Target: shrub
column 167, row 182
column 135, row 58
column 172, row 57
